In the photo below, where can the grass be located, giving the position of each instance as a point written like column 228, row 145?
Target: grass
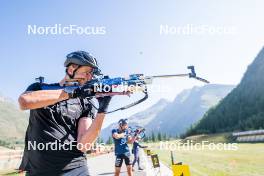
column 11, row 173
column 247, row 160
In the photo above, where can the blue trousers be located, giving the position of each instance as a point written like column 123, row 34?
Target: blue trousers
column 136, row 159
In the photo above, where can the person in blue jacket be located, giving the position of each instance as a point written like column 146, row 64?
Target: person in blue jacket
column 121, row 139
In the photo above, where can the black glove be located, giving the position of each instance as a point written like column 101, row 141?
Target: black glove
column 83, row 92
column 103, row 103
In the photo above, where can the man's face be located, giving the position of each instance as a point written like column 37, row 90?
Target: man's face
column 84, row 73
column 124, row 127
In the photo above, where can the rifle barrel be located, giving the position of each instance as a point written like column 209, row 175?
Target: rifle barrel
column 168, row 76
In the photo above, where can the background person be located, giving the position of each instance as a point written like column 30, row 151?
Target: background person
column 135, row 151
column 122, row 152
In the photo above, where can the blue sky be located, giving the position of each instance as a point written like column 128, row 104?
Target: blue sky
column 132, row 43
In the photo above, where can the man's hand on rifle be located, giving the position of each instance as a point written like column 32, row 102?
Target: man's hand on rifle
column 103, row 103
column 82, row 92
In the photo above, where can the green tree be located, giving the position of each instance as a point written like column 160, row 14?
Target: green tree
column 159, row 137
column 146, row 139
column 109, row 140
column 164, row 137
column 153, row 137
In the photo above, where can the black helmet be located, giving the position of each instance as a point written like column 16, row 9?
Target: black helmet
column 123, row 122
column 82, row 58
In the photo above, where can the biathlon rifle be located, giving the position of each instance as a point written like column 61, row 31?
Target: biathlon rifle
column 106, row 86
column 137, row 131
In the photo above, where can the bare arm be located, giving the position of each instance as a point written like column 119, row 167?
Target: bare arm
column 41, row 98
column 118, row 136
column 131, row 139
column 141, row 146
column 89, row 130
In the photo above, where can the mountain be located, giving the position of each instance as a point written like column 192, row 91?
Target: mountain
column 140, row 118
column 13, row 122
column 242, row 109
column 174, row 118
column 187, row 108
